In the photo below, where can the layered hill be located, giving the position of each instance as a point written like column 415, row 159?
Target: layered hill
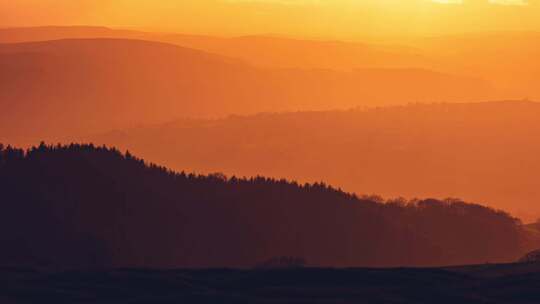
column 430, row 150
column 51, row 89
column 505, row 59
column 265, row 51
column 83, row 206
column 44, row 33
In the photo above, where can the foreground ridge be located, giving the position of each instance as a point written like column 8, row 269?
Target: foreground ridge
column 73, row 206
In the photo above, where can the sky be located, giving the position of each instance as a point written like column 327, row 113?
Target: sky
column 314, row 18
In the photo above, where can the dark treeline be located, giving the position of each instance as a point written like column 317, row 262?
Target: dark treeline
column 81, row 206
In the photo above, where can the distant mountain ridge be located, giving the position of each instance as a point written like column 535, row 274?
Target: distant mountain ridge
column 267, row 51
column 475, row 55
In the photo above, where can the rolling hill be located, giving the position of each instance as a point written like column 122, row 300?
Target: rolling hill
column 506, row 59
column 51, row 89
column 476, row 55
column 263, row 51
column 45, row 33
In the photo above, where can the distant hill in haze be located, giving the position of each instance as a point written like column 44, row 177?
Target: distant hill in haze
column 75, row 85
column 505, row 59
column 45, row 33
column 83, row 206
column 266, row 51
column 282, row 52
column 484, row 152
column 65, row 87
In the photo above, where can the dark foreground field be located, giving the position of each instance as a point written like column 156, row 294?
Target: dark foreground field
column 474, row 284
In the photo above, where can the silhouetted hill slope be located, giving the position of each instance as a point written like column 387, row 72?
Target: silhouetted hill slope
column 484, row 152
column 90, row 85
column 81, row 206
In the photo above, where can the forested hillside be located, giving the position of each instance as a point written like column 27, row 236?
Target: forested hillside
column 81, row 205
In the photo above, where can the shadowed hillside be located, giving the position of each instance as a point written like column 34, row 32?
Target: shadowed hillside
column 438, row 150
column 82, row 206
column 505, row 284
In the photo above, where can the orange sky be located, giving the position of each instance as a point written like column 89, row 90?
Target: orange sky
column 313, row 18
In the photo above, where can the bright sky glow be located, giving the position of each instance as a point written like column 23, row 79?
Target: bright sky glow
column 313, row 18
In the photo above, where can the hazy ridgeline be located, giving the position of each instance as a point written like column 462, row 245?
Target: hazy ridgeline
column 481, row 152
column 81, row 206
column 51, row 89
column 501, row 58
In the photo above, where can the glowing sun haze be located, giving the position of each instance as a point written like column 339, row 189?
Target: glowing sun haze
column 317, row 18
